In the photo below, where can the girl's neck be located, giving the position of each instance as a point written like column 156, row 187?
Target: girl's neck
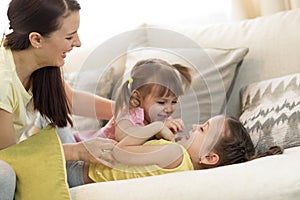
column 186, row 142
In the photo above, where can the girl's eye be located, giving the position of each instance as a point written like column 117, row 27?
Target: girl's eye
column 161, row 102
column 174, row 102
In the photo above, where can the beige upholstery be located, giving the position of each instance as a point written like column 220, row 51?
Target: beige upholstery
column 273, row 42
column 274, row 46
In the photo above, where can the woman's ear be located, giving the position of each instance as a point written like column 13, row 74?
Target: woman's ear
column 210, row 159
column 35, row 39
column 135, row 99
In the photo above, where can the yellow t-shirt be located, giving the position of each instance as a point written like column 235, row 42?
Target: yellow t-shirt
column 13, row 96
column 101, row 173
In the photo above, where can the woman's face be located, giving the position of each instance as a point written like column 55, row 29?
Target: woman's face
column 60, row 42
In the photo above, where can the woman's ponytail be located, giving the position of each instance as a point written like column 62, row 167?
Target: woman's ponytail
column 49, row 96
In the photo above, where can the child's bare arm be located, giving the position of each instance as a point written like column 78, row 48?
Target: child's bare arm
column 129, row 134
column 165, row 156
column 130, row 149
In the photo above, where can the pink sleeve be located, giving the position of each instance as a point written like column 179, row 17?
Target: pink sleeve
column 136, row 116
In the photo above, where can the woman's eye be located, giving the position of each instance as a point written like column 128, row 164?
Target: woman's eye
column 69, row 38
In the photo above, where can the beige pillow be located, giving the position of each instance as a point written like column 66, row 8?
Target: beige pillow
column 96, row 81
column 214, row 72
column 273, row 43
column 271, row 112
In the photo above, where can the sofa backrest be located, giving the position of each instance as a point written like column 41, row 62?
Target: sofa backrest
column 273, row 42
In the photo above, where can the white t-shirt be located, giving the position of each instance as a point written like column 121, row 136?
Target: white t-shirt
column 13, row 96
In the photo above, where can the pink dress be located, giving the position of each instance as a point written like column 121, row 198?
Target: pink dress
column 136, row 116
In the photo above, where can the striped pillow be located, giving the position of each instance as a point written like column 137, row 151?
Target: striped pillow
column 271, row 112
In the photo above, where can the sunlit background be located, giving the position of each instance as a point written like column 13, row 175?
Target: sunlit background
column 103, row 19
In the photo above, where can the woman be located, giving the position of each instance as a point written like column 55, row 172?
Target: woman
column 31, row 57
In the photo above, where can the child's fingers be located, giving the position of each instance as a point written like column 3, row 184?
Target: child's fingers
column 176, row 125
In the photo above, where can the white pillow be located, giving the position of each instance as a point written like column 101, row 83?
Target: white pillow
column 214, row 72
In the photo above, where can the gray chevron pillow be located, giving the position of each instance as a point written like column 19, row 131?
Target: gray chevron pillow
column 271, row 112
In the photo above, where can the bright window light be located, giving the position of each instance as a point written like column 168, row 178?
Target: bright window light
column 101, row 19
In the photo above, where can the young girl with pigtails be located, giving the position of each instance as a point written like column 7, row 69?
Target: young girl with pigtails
column 145, row 100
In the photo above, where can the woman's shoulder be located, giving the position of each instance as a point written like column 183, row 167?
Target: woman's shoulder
column 6, row 55
column 11, row 89
column 7, row 65
column 7, row 70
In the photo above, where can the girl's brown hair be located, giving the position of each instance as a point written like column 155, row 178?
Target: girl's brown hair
column 42, row 16
column 153, row 75
column 236, row 146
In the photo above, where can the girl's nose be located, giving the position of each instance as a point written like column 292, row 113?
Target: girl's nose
column 169, row 109
column 197, row 126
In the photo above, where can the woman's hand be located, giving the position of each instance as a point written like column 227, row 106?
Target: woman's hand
column 97, row 150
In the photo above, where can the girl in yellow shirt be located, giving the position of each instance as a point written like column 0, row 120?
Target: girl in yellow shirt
column 222, row 140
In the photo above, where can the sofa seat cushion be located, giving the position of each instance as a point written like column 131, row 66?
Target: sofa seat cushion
column 258, row 179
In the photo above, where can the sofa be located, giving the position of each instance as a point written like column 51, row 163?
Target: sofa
column 248, row 69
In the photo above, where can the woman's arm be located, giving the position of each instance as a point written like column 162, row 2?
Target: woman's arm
column 7, row 133
column 89, row 105
column 96, row 150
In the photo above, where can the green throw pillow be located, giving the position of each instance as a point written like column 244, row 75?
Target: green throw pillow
column 40, row 167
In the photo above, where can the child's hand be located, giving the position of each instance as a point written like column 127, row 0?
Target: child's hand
column 175, row 125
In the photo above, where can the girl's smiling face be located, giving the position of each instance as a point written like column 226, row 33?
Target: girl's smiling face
column 159, row 108
column 203, row 137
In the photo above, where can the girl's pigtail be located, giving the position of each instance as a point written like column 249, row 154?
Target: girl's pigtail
column 123, row 97
column 184, row 71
